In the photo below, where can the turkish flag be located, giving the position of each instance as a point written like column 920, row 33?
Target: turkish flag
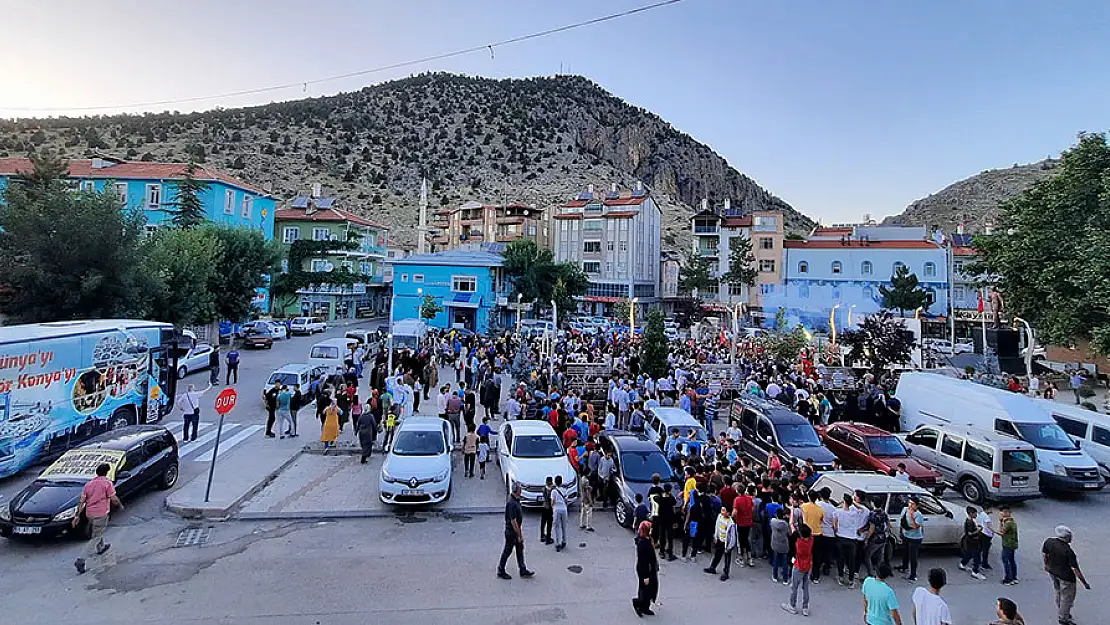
column 980, row 307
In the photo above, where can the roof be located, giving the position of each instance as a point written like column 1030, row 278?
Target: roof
column 863, row 429
column 424, row 423
column 627, row 441
column 887, row 245
column 530, row 426
column 773, row 410
column 620, row 201
column 870, row 482
column 131, row 170
column 332, row 215
column 964, row 250
column 833, row 231
column 58, row 329
column 673, row 416
column 456, row 257
column 123, row 438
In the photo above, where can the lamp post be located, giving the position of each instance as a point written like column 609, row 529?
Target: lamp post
column 850, row 316
column 519, row 304
column 920, row 337
column 632, row 318
column 1028, row 348
column 832, row 322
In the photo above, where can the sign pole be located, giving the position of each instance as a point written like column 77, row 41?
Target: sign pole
column 212, row 466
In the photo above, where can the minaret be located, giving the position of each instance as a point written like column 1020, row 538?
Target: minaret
column 422, row 231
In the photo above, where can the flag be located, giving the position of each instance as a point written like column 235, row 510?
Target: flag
column 980, row 306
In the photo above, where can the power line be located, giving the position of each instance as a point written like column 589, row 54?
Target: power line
column 383, row 68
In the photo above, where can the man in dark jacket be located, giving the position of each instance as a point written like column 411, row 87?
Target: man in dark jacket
column 367, row 428
column 491, row 396
column 214, row 366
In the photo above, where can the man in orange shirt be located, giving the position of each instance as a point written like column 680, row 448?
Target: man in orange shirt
column 97, row 498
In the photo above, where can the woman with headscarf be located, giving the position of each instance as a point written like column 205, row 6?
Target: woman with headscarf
column 647, row 571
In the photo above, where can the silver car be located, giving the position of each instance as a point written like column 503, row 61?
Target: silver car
column 195, row 360
column 528, row 452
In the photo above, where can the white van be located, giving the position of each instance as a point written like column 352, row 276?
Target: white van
column 409, row 333
column 331, row 353
column 1090, row 430
column 931, row 399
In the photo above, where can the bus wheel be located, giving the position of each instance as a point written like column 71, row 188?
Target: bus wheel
column 122, row 417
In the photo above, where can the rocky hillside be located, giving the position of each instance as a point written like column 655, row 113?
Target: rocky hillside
column 973, row 201
column 537, row 140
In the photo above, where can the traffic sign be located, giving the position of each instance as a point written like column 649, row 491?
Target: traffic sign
column 225, row 401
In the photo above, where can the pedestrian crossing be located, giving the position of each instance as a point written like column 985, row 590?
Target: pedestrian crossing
column 201, row 449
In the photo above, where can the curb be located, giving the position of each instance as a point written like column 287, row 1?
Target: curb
column 365, row 513
column 213, row 513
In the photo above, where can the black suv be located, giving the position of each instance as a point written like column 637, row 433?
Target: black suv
column 768, row 426
column 636, row 461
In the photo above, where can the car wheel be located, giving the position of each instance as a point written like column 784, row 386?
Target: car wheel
column 122, row 417
column 181, row 371
column 971, row 490
column 621, row 512
column 169, row 477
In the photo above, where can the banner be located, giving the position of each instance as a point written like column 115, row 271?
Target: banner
column 80, row 464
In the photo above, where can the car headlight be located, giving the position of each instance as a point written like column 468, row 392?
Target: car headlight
column 1059, row 469
column 387, row 478
column 441, row 476
column 5, row 512
column 66, row 515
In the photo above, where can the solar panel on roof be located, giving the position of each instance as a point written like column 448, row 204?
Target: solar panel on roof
column 639, row 193
column 325, row 202
column 585, row 195
column 300, row 201
column 612, row 195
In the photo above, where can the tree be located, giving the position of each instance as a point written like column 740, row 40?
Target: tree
column 244, row 266
column 1050, row 254
column 694, row 273
column 621, row 309
column 65, row 255
column 904, row 292
column 187, row 208
column 183, row 263
column 535, row 275
column 879, row 341
column 285, row 287
column 655, row 347
column 429, row 309
column 741, row 263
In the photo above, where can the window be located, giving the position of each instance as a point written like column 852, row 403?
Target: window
column 766, row 224
column 930, row 270
column 1020, row 460
column 418, row 277
column 88, row 185
column 1100, row 435
column 959, row 293
column 624, row 246
column 979, row 455
column 767, row 289
column 121, row 193
column 837, row 267
column 320, row 234
column 925, row 437
column 248, row 205
column 404, row 277
column 319, row 264
column 803, row 291
column 464, row 284
column 593, row 225
column 1074, row 427
column 803, row 267
column 591, row 247
column 736, row 289
column 591, row 266
column 952, row 446
column 958, row 266
column 866, row 268
column 767, row 265
column 149, row 230
column 764, row 431
column 897, row 265
column 285, row 265
column 868, row 293
column 153, row 196
column 229, row 203
column 766, row 243
column 349, row 266
column 609, row 245
column 290, row 234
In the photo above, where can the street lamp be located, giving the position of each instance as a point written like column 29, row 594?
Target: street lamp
column 850, row 315
column 832, row 322
column 519, row 297
column 632, row 318
column 1028, row 348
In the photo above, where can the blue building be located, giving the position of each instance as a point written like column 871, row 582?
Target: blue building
column 470, row 285
column 844, row 268
column 152, row 188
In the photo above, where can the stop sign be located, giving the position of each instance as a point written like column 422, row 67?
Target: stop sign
column 225, row 401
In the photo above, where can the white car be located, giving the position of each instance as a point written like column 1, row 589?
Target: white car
column 195, row 360
column 276, row 329
column 294, row 375
column 307, row 325
column 528, row 452
column 417, row 469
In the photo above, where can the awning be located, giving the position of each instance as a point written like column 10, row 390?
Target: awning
column 463, row 300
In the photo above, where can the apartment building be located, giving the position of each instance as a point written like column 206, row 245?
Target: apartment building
column 474, row 222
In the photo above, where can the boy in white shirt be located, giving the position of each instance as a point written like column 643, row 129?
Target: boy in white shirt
column 928, row 606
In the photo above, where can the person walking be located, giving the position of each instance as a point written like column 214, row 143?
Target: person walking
column 547, row 511
column 911, row 524
column 724, row 543
column 929, row 608
column 987, row 530
column 470, row 450
column 559, row 508
column 270, row 397
column 284, row 403
column 647, row 572
column 483, row 456
column 971, row 543
column 802, row 571
column 97, row 498
column 880, row 604
column 330, row 430
column 214, row 365
column 1007, row 529
column 1076, row 381
column 1063, row 569
column 586, row 503
column 514, row 535
column 232, row 358
column 189, row 405
column 367, row 428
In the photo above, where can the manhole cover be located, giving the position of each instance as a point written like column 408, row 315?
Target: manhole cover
column 193, row 536
column 574, row 568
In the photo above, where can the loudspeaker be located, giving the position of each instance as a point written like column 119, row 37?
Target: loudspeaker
column 1004, row 342
column 1013, row 366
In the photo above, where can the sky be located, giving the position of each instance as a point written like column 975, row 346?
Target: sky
column 843, row 108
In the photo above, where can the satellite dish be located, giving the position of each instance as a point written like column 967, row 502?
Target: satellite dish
column 329, row 267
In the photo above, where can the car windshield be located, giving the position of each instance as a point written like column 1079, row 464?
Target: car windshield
column 324, row 351
column 418, row 443
column 537, row 446
column 400, row 341
column 885, row 446
column 639, row 466
column 1045, row 436
column 287, row 379
column 1018, row 460
column 797, row 435
column 926, row 504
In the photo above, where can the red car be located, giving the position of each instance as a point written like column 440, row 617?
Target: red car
column 864, row 446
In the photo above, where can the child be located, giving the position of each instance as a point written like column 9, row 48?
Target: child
column 390, row 427
column 483, row 456
column 641, row 513
column 780, row 546
column 803, row 566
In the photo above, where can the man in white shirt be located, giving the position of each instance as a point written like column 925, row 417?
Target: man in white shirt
column 189, row 405
column 929, row 608
column 984, row 522
column 512, row 409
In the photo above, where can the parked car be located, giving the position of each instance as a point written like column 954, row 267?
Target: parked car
column 864, row 446
column 277, row 329
column 661, row 421
column 368, row 339
column 139, row 455
column 194, row 360
column 259, row 336
column 769, row 426
column 294, row 375
column 528, row 452
column 636, row 461
column 307, row 325
column 981, row 464
column 417, row 469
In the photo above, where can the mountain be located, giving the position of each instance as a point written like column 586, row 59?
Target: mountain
column 535, row 140
column 973, row 201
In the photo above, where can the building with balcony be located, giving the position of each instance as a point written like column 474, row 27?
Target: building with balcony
column 615, row 238
column 843, row 267
column 469, row 285
column 716, row 232
column 318, row 218
column 474, row 222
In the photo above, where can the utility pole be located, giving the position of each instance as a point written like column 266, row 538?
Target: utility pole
column 422, row 231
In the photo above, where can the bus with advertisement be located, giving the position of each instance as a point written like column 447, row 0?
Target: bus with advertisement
column 61, row 383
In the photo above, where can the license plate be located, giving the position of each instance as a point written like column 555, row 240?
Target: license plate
column 24, row 529
column 1019, row 480
column 1084, row 486
column 412, row 493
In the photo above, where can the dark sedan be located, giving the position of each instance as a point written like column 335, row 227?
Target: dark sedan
column 636, row 460
column 262, row 337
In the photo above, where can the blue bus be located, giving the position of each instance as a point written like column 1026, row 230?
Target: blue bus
column 64, row 382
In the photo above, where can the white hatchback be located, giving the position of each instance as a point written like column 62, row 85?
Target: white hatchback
column 529, row 452
column 417, row 469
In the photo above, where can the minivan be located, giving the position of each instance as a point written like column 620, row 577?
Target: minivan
column 982, row 465
column 331, row 354
column 660, row 421
column 1090, row 430
column 367, row 338
column 932, row 399
column 768, row 426
column 307, row 325
column 409, row 333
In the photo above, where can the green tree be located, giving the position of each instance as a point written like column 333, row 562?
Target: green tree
column 244, row 266
column 904, row 292
column 429, row 308
column 1050, row 254
column 694, row 273
column 878, row 341
column 183, row 264
column 66, row 255
column 535, row 275
column 188, row 208
column 741, row 263
column 621, row 309
column 655, row 347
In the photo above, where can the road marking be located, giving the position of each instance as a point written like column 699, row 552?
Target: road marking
column 177, row 433
column 225, row 445
column 193, row 446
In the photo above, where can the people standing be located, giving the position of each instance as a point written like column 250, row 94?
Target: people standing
column 847, row 523
column 559, row 510
column 880, row 604
column 514, row 535
column 367, row 428
column 1063, row 569
column 971, row 543
column 802, row 571
column 586, row 503
column 724, row 543
column 232, row 358
column 1007, row 613
column 98, row 495
column 987, row 530
column 470, row 450
column 270, row 397
column 780, row 547
column 929, row 608
column 284, row 404
column 647, row 571
column 547, row 511
column 189, row 405
column 1076, row 380
column 911, row 523
column 1007, row 529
